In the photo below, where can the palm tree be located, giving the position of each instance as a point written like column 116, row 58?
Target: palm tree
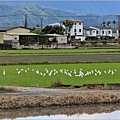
column 103, row 24
column 108, row 24
column 114, row 22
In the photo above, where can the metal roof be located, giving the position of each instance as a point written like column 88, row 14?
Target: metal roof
column 22, row 34
column 55, row 35
column 101, row 27
column 4, row 29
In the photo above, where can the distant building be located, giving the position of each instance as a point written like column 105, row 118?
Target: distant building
column 13, row 37
column 77, row 30
column 102, row 31
column 61, row 39
column 90, row 32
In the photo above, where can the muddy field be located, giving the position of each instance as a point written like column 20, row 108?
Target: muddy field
column 61, row 59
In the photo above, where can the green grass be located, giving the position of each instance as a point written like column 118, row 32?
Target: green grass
column 30, row 78
column 57, row 51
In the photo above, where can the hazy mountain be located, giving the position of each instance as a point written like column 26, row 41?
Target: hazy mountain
column 13, row 13
column 81, row 7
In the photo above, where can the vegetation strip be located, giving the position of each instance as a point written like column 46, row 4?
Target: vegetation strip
column 68, row 74
column 15, row 102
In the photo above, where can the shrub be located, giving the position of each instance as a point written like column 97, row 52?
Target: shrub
column 104, row 41
column 115, row 41
column 82, row 42
column 94, row 42
column 56, row 83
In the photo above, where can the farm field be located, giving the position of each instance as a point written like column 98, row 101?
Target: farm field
column 45, row 75
column 58, row 51
column 70, row 67
column 81, row 58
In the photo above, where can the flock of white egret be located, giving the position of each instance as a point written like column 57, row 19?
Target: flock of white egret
column 70, row 73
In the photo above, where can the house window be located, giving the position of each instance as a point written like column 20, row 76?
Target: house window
column 74, row 30
column 96, row 32
column 102, row 32
column 79, row 30
column 109, row 32
column 79, row 23
column 75, row 23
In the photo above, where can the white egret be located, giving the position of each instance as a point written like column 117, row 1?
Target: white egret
column 4, row 72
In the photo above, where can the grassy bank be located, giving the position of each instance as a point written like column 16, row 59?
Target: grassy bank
column 46, row 74
column 15, row 102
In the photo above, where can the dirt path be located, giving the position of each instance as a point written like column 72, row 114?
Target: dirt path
column 51, row 91
column 31, row 97
column 82, row 57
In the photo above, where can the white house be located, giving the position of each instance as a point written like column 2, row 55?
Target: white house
column 90, row 32
column 116, row 32
column 102, row 31
column 77, row 30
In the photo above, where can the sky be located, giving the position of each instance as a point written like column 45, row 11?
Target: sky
column 103, row 116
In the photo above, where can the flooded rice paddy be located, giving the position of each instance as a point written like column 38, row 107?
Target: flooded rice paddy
column 103, row 111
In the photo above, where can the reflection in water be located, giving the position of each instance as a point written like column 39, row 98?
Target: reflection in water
column 69, row 112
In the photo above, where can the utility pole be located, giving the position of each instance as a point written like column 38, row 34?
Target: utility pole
column 26, row 23
column 41, row 25
column 119, row 26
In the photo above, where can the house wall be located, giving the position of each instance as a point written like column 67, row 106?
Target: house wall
column 11, row 37
column 91, row 32
column 79, row 29
column 62, row 39
column 106, row 32
column 82, row 38
column 19, row 30
column 101, row 33
column 1, row 37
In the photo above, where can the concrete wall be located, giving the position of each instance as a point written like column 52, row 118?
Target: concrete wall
column 1, row 37
column 79, row 29
column 11, row 37
column 62, row 39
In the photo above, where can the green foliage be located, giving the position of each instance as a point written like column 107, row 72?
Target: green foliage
column 56, row 83
column 2, row 89
column 53, row 29
column 104, row 42
column 82, row 42
column 94, row 42
column 68, row 24
column 36, row 31
column 115, row 41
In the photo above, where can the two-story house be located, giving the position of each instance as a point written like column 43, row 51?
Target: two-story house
column 77, row 31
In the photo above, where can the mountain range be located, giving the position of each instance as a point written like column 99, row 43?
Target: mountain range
column 90, row 12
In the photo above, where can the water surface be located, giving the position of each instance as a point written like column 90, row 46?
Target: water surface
column 103, row 112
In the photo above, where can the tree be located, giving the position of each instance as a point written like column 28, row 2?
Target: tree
column 53, row 29
column 114, row 22
column 108, row 24
column 68, row 25
column 36, row 31
column 43, row 40
column 103, row 24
